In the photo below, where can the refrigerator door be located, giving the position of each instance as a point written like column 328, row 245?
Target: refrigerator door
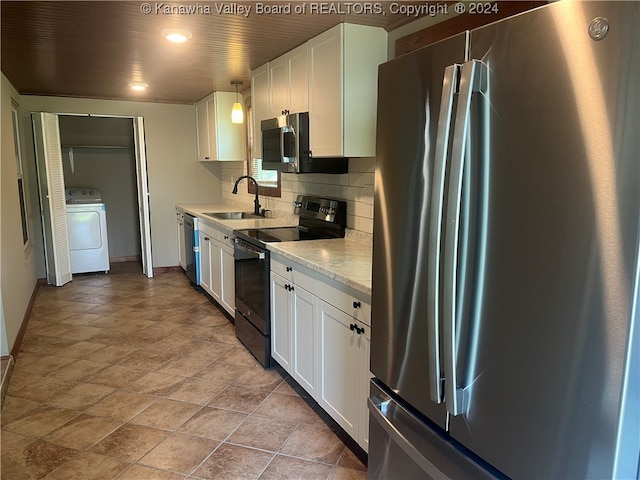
column 403, row 356
column 546, row 374
column 403, row 447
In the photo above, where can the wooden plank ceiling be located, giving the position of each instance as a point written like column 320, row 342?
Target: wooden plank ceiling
column 94, row 49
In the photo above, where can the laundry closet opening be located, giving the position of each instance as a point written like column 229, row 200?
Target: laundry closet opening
column 98, row 154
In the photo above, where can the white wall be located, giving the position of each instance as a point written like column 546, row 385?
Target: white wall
column 175, row 175
column 18, row 265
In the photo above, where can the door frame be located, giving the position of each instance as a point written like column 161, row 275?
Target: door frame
column 142, row 183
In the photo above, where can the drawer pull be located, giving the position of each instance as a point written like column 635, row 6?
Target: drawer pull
column 289, row 269
column 356, row 304
column 358, row 330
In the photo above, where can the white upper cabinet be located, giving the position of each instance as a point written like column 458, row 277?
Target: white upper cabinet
column 289, row 82
column 343, row 82
column 218, row 138
column 260, row 104
column 334, row 77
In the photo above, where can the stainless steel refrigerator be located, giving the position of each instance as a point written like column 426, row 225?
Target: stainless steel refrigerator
column 505, row 322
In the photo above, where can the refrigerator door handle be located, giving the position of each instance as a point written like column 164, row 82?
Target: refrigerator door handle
column 449, row 88
column 473, row 79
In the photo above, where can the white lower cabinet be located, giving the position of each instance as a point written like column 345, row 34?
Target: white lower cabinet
column 303, row 323
column 324, row 348
column 280, row 321
column 217, row 276
column 227, row 276
column 204, row 242
column 293, row 330
column 344, row 344
column 182, row 255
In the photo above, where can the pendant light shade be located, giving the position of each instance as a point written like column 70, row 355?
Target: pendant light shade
column 237, row 115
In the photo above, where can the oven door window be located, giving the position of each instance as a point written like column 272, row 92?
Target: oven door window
column 251, row 281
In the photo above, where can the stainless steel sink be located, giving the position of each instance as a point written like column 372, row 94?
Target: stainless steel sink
column 231, row 215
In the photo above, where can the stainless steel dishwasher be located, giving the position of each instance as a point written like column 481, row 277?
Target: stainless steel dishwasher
column 190, row 248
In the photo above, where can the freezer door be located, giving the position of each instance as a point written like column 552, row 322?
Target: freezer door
column 546, row 373
column 410, row 91
column 404, row 447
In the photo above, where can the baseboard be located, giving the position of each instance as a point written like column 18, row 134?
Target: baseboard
column 134, row 258
column 158, row 270
column 25, row 320
column 6, row 369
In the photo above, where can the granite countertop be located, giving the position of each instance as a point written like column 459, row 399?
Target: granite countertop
column 345, row 260
column 198, row 210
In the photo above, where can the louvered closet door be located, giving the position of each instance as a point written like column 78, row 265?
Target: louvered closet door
column 143, row 195
column 46, row 133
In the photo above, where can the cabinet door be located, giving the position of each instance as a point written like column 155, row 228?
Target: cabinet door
column 259, row 105
column 205, row 261
column 298, row 65
column 325, row 93
column 303, row 321
column 339, row 388
column 364, row 349
column 280, row 321
column 227, row 280
column 181, row 248
column 279, row 88
column 228, row 139
column 214, row 259
column 202, row 119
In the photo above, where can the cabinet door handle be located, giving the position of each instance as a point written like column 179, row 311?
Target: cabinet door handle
column 356, row 304
column 206, row 239
column 352, row 326
column 359, row 330
column 289, row 269
column 226, row 237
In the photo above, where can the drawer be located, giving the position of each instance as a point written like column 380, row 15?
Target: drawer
column 208, row 230
column 345, row 298
column 294, row 273
column 226, row 237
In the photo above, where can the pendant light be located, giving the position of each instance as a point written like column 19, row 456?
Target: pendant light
column 237, row 115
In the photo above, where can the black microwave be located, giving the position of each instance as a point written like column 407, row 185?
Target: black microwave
column 285, row 147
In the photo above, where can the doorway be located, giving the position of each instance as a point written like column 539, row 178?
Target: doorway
column 98, row 154
column 103, row 153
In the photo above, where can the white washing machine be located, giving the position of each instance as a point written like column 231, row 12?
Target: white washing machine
column 87, row 227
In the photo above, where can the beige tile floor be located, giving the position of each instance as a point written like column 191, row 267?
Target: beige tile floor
column 126, row 377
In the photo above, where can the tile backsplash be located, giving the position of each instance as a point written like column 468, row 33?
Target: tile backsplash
column 355, row 187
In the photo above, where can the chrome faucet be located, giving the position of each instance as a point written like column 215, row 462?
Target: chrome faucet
column 256, row 203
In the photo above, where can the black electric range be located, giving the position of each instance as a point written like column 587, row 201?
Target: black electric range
column 319, row 218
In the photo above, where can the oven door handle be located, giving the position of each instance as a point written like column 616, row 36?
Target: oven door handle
column 249, row 249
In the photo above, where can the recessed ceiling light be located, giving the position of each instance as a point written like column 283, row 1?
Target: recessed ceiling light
column 176, row 35
column 138, row 86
